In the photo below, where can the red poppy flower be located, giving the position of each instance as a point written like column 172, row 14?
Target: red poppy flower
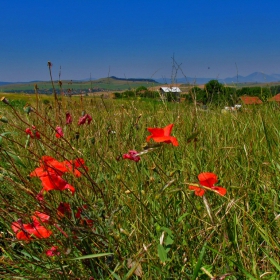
column 80, row 215
column 85, row 118
column 49, row 165
column 162, row 135
column 73, row 165
column 207, row 180
column 50, row 173
column 55, row 182
column 29, row 231
column 63, row 209
column 132, row 156
column 68, row 118
column 59, row 132
column 32, row 132
column 51, row 170
column 40, row 217
column 53, row 251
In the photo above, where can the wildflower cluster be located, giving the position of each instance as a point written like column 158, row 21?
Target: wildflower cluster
column 50, row 173
column 163, row 135
column 51, row 170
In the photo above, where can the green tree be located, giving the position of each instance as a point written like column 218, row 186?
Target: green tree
column 214, row 91
column 141, row 88
column 197, row 94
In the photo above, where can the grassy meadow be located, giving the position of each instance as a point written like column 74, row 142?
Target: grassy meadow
column 106, row 84
column 137, row 219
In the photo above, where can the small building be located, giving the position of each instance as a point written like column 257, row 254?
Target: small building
column 250, row 100
column 173, row 92
column 275, row 98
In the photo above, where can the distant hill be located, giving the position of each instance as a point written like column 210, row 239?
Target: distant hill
column 4, row 83
column 114, row 83
column 79, row 86
column 134, row 79
column 256, row 77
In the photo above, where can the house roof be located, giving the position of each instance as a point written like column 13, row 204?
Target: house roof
column 275, row 98
column 250, row 100
column 172, row 89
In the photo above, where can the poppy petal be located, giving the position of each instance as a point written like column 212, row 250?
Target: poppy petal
column 197, row 191
column 167, row 130
column 162, row 135
column 207, row 179
column 42, row 217
column 220, row 190
column 156, row 131
column 16, row 227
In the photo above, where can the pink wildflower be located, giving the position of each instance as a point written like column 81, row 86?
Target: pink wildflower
column 52, row 251
column 132, row 155
column 85, row 118
column 40, row 196
column 68, row 118
column 59, row 132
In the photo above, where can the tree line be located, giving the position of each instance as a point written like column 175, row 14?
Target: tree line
column 213, row 93
column 217, row 94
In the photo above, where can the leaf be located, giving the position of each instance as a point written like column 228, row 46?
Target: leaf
column 183, row 216
column 90, row 256
column 162, row 253
column 199, row 261
column 274, row 262
column 167, row 230
column 16, row 159
column 4, row 134
column 135, row 267
column 30, row 256
column 115, row 275
column 168, row 240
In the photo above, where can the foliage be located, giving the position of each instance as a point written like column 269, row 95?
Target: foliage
column 262, row 93
column 137, row 218
column 215, row 93
column 139, row 92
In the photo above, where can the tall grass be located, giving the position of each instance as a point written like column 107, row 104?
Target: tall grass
column 146, row 222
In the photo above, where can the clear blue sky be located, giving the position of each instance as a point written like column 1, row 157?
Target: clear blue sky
column 136, row 39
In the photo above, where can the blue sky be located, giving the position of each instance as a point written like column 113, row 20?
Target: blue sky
column 136, row 39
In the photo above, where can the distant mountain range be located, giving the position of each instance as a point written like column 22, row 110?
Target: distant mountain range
column 256, row 77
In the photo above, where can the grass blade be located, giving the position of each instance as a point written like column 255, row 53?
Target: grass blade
column 199, row 262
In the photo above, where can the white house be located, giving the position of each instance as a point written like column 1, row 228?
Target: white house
column 174, row 90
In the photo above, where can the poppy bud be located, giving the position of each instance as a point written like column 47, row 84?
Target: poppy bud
column 3, row 119
column 5, row 100
column 77, row 135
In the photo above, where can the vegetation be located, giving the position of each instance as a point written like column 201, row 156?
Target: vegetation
column 85, row 196
column 216, row 93
column 104, row 84
column 139, row 92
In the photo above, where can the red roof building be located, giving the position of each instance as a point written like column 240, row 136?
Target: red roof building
column 275, row 98
column 250, row 100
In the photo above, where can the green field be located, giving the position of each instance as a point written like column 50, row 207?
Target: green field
column 106, row 84
column 116, row 218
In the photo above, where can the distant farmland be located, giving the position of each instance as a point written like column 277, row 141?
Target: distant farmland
column 103, row 84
